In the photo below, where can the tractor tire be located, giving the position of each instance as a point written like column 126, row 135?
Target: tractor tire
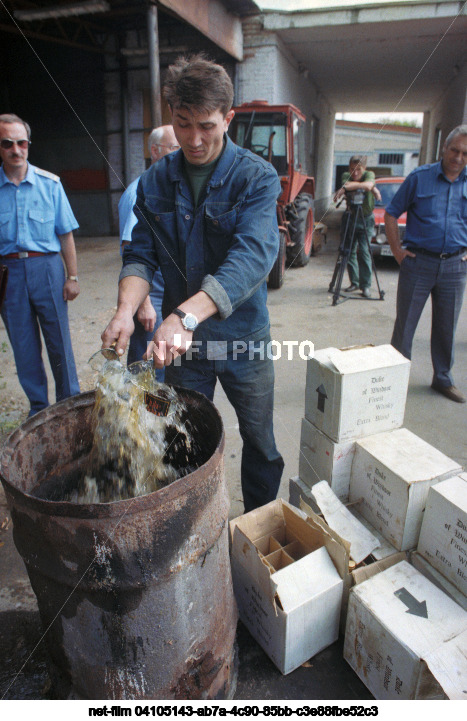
column 301, row 231
column 276, row 276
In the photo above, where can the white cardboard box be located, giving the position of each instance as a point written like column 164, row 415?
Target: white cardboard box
column 288, row 591
column 321, row 458
column 355, row 392
column 400, row 633
column 443, row 535
column 421, row 564
column 391, row 474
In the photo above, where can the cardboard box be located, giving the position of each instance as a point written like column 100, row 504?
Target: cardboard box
column 355, row 392
column 443, row 535
column 288, row 591
column 298, row 491
column 392, row 473
column 421, row 564
column 362, row 541
column 399, row 628
column 322, row 459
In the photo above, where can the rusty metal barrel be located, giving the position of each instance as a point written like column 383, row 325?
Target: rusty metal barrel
column 135, row 596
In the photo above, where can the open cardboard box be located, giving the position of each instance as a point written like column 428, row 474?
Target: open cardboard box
column 288, row 574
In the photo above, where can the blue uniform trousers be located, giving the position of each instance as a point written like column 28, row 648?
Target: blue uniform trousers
column 444, row 280
column 140, row 338
column 249, row 386
column 35, row 297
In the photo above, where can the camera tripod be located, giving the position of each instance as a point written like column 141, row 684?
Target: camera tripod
column 346, row 244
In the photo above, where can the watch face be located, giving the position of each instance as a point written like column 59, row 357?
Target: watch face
column 190, row 321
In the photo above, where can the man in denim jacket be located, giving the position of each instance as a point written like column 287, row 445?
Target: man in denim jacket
column 207, row 217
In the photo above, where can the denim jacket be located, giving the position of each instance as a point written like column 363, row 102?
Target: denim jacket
column 226, row 246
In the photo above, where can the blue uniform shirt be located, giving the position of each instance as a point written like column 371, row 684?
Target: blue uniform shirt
column 126, row 217
column 436, row 209
column 34, row 213
column 225, row 246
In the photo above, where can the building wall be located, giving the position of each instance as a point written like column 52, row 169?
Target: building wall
column 357, row 138
column 269, row 72
column 451, row 110
column 59, row 93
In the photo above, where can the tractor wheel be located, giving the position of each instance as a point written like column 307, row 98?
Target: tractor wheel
column 301, row 231
column 276, row 276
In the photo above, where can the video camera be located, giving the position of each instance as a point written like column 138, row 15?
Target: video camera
column 354, row 198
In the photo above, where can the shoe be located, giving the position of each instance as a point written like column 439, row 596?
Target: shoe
column 366, row 292
column 450, row 392
column 351, row 288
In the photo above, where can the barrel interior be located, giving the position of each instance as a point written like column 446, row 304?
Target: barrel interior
column 48, row 455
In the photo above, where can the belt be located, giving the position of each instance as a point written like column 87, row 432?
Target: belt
column 433, row 254
column 23, row 254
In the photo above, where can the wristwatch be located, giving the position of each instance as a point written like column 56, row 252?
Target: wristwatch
column 189, row 321
column 72, row 277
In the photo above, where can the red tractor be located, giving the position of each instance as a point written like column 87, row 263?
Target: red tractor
column 277, row 134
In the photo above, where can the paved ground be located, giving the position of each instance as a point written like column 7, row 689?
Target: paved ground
column 300, row 311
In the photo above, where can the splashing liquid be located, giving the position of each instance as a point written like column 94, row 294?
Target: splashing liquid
column 134, row 451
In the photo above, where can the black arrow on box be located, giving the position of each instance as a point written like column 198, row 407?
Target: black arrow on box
column 416, row 608
column 322, row 395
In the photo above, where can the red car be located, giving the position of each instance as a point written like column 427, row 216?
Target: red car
column 379, row 242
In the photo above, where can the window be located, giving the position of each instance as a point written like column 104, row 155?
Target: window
column 391, row 159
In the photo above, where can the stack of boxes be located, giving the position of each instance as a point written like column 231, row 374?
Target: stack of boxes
column 404, row 611
column 352, row 438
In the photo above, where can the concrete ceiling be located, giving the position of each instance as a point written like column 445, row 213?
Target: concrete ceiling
column 379, row 58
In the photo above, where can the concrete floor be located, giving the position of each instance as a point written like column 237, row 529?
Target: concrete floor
column 301, row 311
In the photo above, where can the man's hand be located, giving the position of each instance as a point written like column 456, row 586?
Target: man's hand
column 71, row 289
column 400, row 253
column 392, row 233
column 170, row 340
column 338, row 195
column 146, row 315
column 118, row 331
column 132, row 292
column 376, row 193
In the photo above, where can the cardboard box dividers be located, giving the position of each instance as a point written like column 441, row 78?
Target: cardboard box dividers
column 289, row 575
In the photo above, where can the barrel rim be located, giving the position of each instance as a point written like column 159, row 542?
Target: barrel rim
column 92, row 510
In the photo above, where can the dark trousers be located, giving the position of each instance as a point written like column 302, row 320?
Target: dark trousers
column 443, row 280
column 249, row 386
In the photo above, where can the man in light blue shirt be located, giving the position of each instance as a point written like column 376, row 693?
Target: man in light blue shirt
column 36, row 225
column 149, row 316
column 433, row 257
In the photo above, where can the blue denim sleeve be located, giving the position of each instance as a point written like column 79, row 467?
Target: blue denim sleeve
column 254, row 249
column 139, row 257
column 403, row 197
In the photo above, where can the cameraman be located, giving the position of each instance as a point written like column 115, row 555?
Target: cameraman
column 358, row 185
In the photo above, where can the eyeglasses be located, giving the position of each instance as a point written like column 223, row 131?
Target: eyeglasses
column 172, row 148
column 6, row 143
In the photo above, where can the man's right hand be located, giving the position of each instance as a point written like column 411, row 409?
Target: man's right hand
column 118, row 332
column 392, row 234
column 400, row 253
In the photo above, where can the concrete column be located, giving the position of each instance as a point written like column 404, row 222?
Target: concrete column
column 325, row 158
column 422, row 160
column 154, row 69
